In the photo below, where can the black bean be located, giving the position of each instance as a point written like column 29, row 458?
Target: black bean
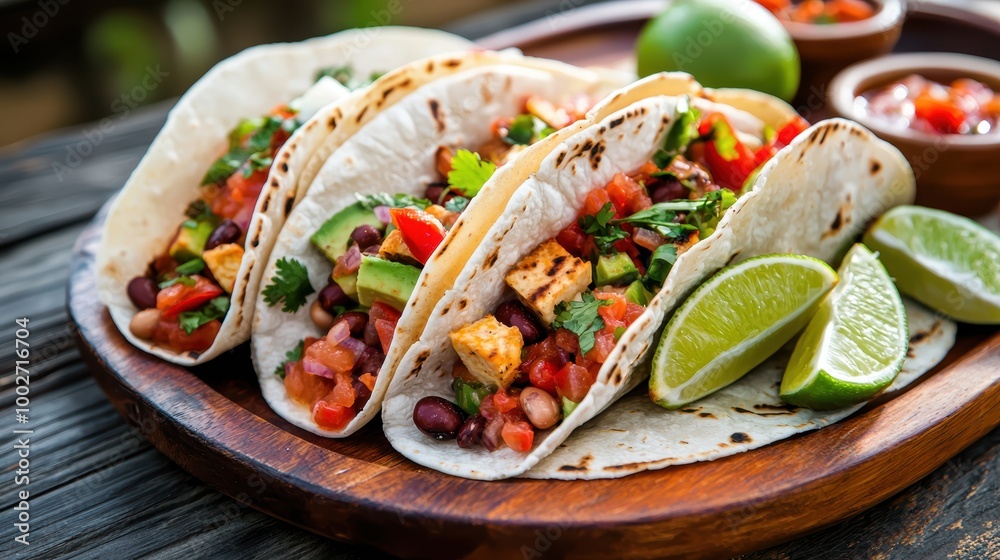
column 370, row 361
column 227, row 232
column 669, row 189
column 513, row 314
column 366, row 236
column 371, row 335
column 356, row 322
column 142, row 291
column 437, row 418
column 434, row 193
column 471, row 432
column 333, row 296
column 363, row 394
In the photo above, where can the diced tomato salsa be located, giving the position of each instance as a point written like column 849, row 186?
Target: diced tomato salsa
column 822, row 12
column 965, row 106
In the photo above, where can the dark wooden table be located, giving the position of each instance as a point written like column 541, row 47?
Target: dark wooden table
column 99, row 490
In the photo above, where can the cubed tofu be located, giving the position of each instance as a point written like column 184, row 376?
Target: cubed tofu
column 446, row 217
column 224, row 262
column 548, row 276
column 683, row 246
column 394, row 249
column 490, row 350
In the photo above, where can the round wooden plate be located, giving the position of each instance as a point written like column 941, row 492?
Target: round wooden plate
column 212, row 421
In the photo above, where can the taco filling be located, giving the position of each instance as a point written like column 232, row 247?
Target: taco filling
column 378, row 246
column 526, row 366
column 184, row 295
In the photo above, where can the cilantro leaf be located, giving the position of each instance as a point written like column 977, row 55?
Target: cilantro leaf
column 186, row 280
column 226, row 165
column 215, row 309
column 660, row 263
column 707, row 216
column 261, row 132
column 290, row 285
column 193, row 266
column 199, row 211
column 398, row 200
column 581, row 318
column 603, row 229
column 457, row 204
column 257, row 162
column 261, row 140
column 293, row 355
column 525, row 129
column 681, row 133
column 469, row 173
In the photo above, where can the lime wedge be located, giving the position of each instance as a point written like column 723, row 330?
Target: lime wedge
column 855, row 345
column 735, row 321
column 944, row 261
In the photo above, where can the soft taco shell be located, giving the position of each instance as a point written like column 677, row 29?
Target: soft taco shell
column 149, row 208
column 813, row 198
column 394, row 152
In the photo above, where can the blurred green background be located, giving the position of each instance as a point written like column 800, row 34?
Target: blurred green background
column 66, row 62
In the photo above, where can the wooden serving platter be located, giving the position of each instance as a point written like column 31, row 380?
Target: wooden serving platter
column 212, row 421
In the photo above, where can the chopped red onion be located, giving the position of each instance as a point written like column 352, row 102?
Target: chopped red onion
column 356, row 347
column 348, row 263
column 289, row 366
column 313, row 366
column 382, row 213
column 339, row 332
column 648, row 239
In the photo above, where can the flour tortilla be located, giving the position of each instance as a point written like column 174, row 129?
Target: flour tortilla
column 813, row 198
column 149, row 208
column 635, row 434
column 394, row 152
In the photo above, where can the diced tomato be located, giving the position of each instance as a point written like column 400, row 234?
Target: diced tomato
column 421, row 232
column 844, row 11
column 381, row 310
column 730, row 165
column 306, row 388
column 628, row 194
column 615, row 312
column 775, row 6
column 632, row 312
column 595, row 201
column 173, row 300
column 384, row 318
column 566, row 340
column 604, row 343
column 238, row 197
column 169, row 334
column 518, row 435
column 337, row 358
column 574, row 381
column 573, row 239
column 385, row 330
column 369, row 380
column 332, row 416
column 787, row 133
column 488, row 408
column 943, row 115
column 542, row 374
column 343, row 393
column 506, row 401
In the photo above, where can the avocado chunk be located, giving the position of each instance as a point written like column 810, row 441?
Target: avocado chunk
column 637, row 293
column 615, row 270
column 190, row 242
column 568, row 407
column 386, row 281
column 349, row 284
column 334, row 235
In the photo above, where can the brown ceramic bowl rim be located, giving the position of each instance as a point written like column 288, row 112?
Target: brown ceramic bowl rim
column 861, row 77
column 888, row 14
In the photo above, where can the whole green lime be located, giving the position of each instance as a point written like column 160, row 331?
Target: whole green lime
column 722, row 43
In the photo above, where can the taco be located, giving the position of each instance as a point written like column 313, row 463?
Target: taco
column 551, row 318
column 390, row 217
column 177, row 265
